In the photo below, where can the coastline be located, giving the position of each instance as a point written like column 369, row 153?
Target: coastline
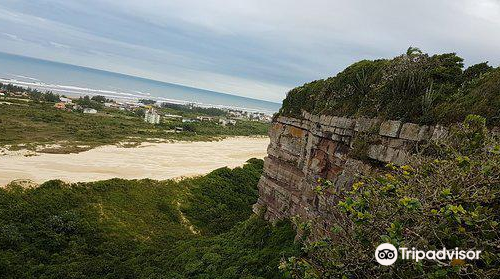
column 132, row 95
column 159, row 161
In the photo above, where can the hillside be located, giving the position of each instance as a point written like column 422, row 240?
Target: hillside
column 398, row 151
column 193, row 228
column 29, row 120
column 414, row 87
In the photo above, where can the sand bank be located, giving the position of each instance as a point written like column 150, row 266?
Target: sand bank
column 149, row 160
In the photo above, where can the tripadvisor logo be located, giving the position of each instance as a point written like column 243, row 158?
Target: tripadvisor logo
column 387, row 254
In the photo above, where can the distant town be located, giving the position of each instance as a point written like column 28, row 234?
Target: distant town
column 31, row 119
column 152, row 114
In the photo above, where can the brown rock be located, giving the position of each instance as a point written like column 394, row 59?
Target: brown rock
column 409, row 131
column 302, row 150
column 390, row 128
column 342, row 122
column 425, row 133
column 296, row 132
column 366, row 124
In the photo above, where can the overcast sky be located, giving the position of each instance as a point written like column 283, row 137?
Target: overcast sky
column 252, row 48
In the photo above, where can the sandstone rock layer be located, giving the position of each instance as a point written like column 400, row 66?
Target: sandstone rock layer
column 335, row 148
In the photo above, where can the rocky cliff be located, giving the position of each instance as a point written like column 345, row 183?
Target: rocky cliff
column 316, row 135
column 329, row 147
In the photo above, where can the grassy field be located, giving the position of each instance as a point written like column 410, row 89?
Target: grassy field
column 193, row 228
column 28, row 124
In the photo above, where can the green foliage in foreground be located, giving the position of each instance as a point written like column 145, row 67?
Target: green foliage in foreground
column 141, row 229
column 448, row 196
column 414, row 87
column 218, row 199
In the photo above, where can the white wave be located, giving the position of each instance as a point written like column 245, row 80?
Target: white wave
column 142, row 93
column 65, row 88
column 113, row 94
column 25, row 77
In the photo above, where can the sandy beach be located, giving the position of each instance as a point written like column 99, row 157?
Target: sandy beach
column 149, row 160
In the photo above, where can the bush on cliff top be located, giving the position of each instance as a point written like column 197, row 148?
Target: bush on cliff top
column 448, row 196
column 414, row 87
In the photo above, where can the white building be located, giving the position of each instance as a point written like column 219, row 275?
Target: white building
column 205, row 118
column 172, row 116
column 225, row 122
column 151, row 116
column 65, row 100
column 89, row 110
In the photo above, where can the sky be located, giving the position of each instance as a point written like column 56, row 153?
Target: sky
column 253, row 48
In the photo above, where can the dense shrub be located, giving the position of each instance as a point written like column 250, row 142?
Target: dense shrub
column 100, row 99
column 194, row 109
column 135, row 229
column 88, row 102
column 414, row 87
column 223, row 198
column 448, row 196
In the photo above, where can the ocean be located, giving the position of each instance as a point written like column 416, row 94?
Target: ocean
column 71, row 80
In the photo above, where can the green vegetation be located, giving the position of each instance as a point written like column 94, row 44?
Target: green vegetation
column 32, row 93
column 360, row 146
column 219, row 200
column 101, row 99
column 147, row 101
column 196, row 110
column 88, row 102
column 193, row 228
column 413, row 87
column 448, row 196
column 28, row 123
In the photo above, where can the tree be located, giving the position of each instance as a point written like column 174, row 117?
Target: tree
column 147, row 101
column 49, row 96
column 448, row 68
column 413, row 51
column 476, row 71
column 87, row 102
column 99, row 99
column 140, row 112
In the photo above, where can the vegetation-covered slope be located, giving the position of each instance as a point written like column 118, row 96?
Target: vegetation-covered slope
column 413, row 87
column 448, row 196
column 193, row 228
column 30, row 121
column 29, row 124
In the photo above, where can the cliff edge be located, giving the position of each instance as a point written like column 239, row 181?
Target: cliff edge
column 314, row 147
column 371, row 114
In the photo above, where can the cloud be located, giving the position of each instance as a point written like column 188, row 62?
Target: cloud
column 12, row 37
column 58, row 45
column 258, row 48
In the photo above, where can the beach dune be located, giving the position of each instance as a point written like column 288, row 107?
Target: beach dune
column 150, row 160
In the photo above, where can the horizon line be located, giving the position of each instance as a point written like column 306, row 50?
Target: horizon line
column 136, row 77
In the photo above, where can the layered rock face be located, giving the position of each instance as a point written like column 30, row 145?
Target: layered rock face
column 329, row 147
